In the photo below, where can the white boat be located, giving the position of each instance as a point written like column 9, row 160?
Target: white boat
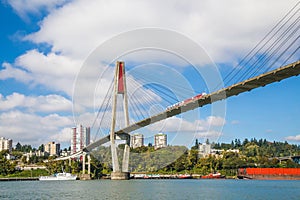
column 59, row 177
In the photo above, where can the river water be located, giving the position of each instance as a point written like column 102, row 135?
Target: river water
column 151, row 189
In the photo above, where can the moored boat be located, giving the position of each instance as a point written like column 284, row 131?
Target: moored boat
column 59, row 177
column 213, row 176
column 184, row 176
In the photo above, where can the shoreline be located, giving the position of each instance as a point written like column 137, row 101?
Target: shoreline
column 20, row 179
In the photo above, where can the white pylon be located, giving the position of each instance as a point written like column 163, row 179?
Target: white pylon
column 119, row 88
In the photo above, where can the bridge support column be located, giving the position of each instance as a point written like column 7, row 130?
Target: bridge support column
column 119, row 88
column 120, row 176
column 83, row 163
column 125, row 162
column 89, row 164
column 85, row 176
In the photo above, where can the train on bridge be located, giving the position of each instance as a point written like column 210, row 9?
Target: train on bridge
column 181, row 103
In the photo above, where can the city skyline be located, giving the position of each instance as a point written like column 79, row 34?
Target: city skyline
column 45, row 45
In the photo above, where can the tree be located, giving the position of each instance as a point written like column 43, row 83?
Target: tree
column 6, row 167
column 18, row 147
column 246, row 141
column 232, row 144
column 41, row 148
column 207, row 141
column 96, row 168
column 196, row 145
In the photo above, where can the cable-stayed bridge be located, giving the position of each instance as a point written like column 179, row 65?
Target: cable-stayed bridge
column 262, row 80
column 278, row 47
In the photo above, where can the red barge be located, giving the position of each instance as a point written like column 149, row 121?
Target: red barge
column 269, row 173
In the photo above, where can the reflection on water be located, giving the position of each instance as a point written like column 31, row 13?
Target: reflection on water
column 151, row 189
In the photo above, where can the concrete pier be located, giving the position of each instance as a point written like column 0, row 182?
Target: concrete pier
column 85, row 177
column 120, row 176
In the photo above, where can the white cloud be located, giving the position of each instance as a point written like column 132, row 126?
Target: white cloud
column 176, row 124
column 63, row 136
column 30, row 128
column 54, row 71
column 74, row 29
column 212, row 134
column 10, row 71
column 293, row 138
column 226, row 29
column 215, row 121
column 235, row 122
column 25, row 7
column 48, row 103
column 11, row 101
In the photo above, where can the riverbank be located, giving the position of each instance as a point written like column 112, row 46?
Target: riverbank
column 20, row 179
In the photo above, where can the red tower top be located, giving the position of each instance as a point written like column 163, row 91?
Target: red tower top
column 121, row 78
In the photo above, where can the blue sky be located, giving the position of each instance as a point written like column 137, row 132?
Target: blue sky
column 45, row 44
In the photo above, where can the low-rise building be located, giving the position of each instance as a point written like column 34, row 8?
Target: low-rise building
column 37, row 153
column 52, row 148
column 65, row 153
column 204, row 150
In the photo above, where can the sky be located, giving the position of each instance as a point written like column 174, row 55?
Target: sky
column 57, row 56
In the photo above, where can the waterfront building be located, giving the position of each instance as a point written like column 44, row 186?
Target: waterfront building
column 160, row 140
column 137, row 140
column 52, row 148
column 80, row 138
column 204, row 150
column 5, row 144
column 65, row 153
column 37, row 153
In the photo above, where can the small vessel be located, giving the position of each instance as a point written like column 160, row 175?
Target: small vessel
column 213, row 176
column 184, row 176
column 59, row 177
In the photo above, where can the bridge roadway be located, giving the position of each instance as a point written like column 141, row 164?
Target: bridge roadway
column 276, row 75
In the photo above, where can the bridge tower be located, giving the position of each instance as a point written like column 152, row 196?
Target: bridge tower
column 119, row 89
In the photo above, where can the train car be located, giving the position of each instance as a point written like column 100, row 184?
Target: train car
column 181, row 103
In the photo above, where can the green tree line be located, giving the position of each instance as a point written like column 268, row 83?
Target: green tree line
column 175, row 159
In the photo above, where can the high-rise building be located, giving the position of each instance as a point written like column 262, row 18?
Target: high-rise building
column 52, row 148
column 137, row 140
column 5, row 144
column 160, row 140
column 80, row 138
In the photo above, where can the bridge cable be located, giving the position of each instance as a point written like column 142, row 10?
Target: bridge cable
column 259, row 62
column 164, row 81
column 104, row 106
column 285, row 61
column 245, row 58
column 261, row 57
column 270, row 48
column 283, row 53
